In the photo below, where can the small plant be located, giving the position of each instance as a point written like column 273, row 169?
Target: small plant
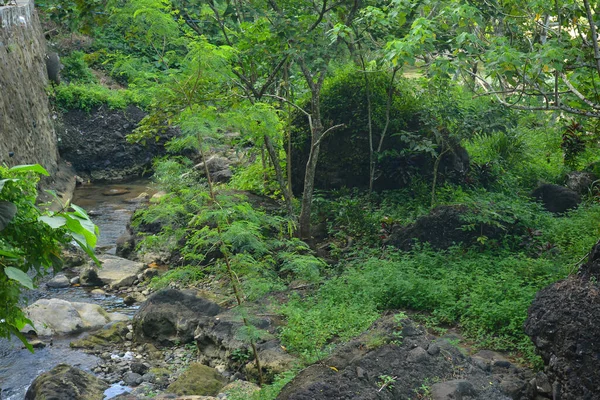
column 386, row 381
column 397, row 334
column 241, row 355
column 423, row 391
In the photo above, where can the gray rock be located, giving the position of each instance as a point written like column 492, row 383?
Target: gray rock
column 139, row 368
column 59, row 281
column 417, row 355
column 55, row 316
column 170, row 316
column 74, row 281
column 115, row 272
column 132, row 379
column 453, row 390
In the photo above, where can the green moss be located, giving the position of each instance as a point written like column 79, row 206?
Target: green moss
column 114, row 333
column 199, row 380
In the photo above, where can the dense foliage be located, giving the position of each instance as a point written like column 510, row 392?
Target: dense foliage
column 31, row 241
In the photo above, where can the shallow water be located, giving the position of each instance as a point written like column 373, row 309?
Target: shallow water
column 110, row 213
column 18, row 366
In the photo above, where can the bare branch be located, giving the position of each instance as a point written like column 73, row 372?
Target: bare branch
column 318, row 142
column 578, row 93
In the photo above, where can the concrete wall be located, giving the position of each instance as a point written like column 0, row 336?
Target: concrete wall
column 26, row 127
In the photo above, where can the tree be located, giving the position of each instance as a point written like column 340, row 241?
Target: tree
column 31, row 241
column 527, row 55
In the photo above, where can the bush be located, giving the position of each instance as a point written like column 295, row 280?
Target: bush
column 87, row 96
column 76, row 69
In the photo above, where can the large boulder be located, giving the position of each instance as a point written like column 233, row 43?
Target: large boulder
column 443, row 227
column 171, row 316
column 95, row 143
column 563, row 323
column 198, row 380
column 379, row 365
column 65, row 382
column 556, row 199
column 61, row 317
column 220, row 344
column 115, row 271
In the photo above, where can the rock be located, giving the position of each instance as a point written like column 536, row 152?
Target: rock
column 126, row 244
column 110, row 335
column 115, row 192
column 218, row 341
column 339, row 376
column 273, row 361
column 134, row 297
column 61, row 317
column 139, row 368
column 89, row 276
column 115, row 272
column 198, row 379
column 157, row 196
column 59, row 281
column 171, row 315
column 132, row 379
column 64, row 382
column 556, row 199
column 442, row 228
column 563, row 324
column 98, row 292
column 37, row 344
column 417, row 355
column 242, row 389
column 140, row 198
column 580, row 182
column 74, row 281
column 456, row 389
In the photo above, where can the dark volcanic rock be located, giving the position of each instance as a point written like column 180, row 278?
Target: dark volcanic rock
column 170, row 316
column 563, row 323
column 556, row 199
column 403, row 371
column 442, row 228
column 64, row 382
column 95, row 143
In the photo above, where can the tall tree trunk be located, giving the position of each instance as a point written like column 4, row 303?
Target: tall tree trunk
column 279, row 175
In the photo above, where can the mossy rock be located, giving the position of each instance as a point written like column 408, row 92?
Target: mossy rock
column 111, row 334
column 161, row 376
column 198, row 380
column 65, row 382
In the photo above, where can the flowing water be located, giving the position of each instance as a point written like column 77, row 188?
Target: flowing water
column 18, row 367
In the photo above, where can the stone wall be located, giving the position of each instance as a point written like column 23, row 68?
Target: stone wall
column 26, row 128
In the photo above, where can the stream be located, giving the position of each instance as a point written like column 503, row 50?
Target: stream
column 110, row 207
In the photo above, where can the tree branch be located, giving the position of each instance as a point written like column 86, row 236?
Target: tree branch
column 590, row 18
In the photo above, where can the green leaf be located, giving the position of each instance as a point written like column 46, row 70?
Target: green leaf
column 37, row 168
column 79, row 211
column 3, row 181
column 88, row 250
column 19, row 276
column 8, row 254
column 7, row 212
column 54, row 222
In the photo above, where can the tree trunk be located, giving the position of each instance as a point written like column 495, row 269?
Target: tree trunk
column 279, row 175
column 307, row 195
